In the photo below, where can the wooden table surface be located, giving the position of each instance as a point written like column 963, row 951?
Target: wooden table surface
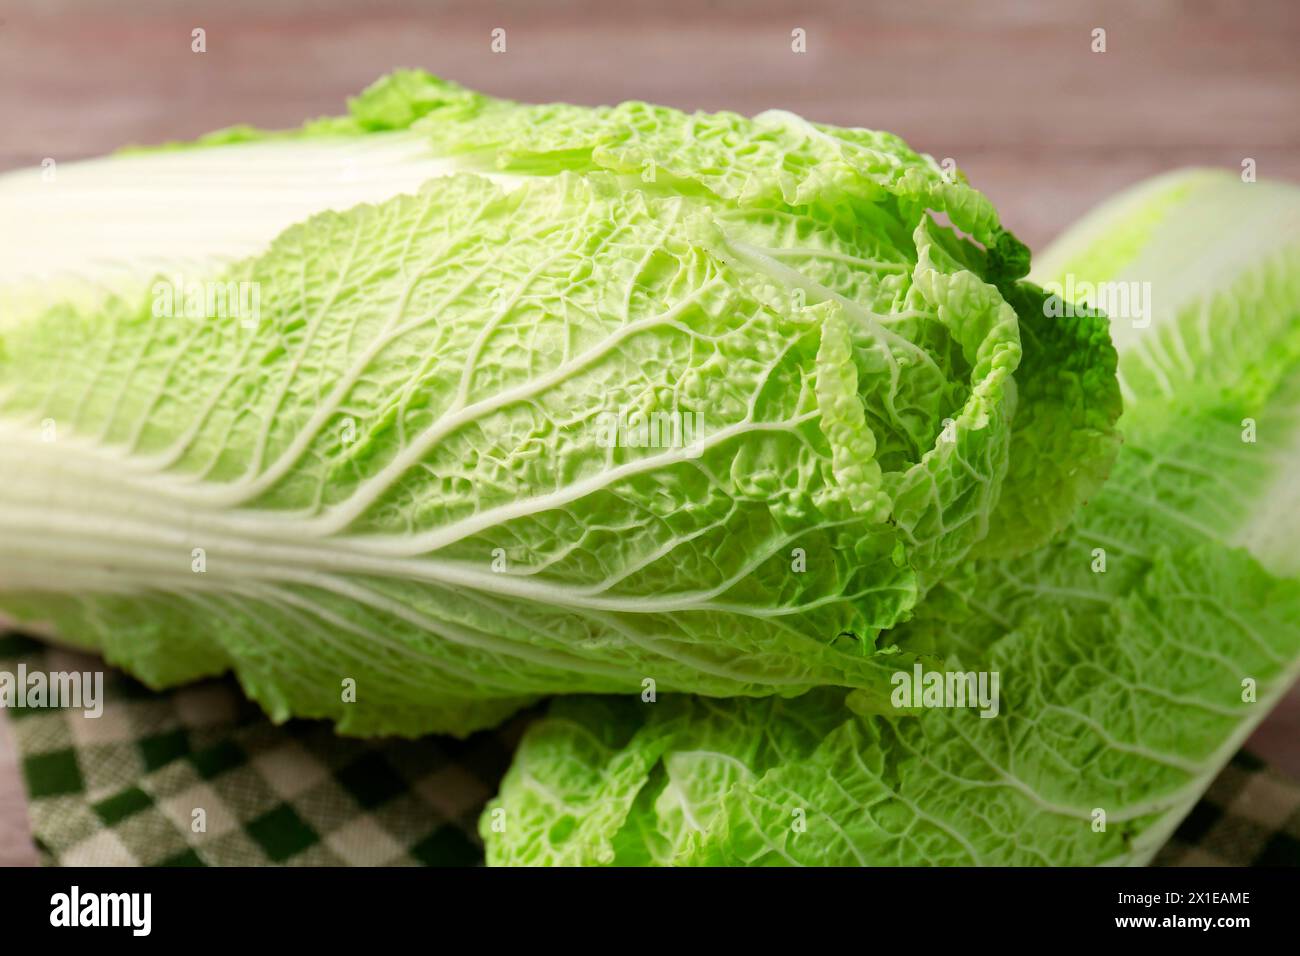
column 1008, row 88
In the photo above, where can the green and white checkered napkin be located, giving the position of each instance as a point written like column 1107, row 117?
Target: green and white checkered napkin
column 124, row 788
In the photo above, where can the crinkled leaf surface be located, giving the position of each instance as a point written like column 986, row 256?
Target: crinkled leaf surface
column 1135, row 653
column 399, row 470
column 1120, row 691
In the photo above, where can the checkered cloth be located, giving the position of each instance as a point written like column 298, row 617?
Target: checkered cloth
column 198, row 776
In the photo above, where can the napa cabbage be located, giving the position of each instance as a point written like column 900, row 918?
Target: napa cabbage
column 412, row 416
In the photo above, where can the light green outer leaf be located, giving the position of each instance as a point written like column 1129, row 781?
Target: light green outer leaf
column 1222, row 260
column 1222, row 257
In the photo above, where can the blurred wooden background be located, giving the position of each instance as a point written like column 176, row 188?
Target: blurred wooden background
column 1008, row 88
